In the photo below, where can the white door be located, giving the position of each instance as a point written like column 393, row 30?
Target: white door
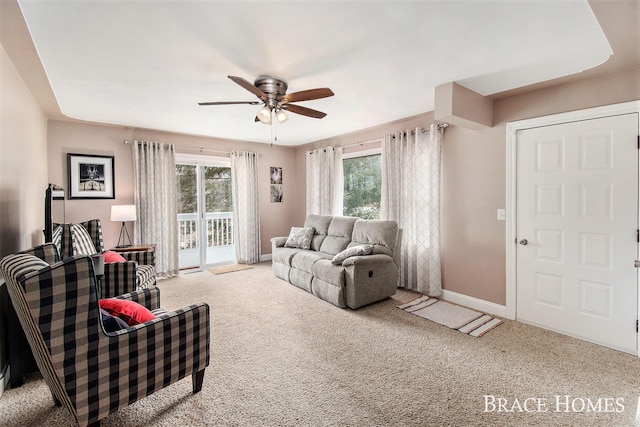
column 577, row 222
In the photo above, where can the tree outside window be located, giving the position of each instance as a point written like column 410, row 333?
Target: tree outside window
column 362, row 183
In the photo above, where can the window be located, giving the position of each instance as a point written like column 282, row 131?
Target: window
column 362, row 183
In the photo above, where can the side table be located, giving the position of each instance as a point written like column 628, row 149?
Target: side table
column 151, row 247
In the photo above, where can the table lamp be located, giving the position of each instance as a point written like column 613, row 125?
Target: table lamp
column 123, row 213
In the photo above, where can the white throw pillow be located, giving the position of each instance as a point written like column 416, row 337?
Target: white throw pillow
column 352, row 251
column 300, row 237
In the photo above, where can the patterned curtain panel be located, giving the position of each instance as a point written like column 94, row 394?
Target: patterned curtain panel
column 154, row 168
column 411, row 197
column 244, row 182
column 324, row 169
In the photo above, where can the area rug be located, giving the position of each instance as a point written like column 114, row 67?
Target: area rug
column 229, row 268
column 453, row 316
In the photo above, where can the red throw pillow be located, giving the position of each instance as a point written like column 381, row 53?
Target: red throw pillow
column 129, row 311
column 110, row 256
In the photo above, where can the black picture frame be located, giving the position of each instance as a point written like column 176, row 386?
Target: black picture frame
column 90, row 176
column 275, row 179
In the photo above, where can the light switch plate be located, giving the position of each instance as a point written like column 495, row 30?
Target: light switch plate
column 501, row 214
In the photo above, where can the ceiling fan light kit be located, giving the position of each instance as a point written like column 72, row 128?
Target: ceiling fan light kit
column 282, row 117
column 272, row 93
column 264, row 115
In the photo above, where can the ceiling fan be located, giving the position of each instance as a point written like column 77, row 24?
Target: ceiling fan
column 272, row 92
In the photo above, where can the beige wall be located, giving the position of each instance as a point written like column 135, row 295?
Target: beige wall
column 67, row 137
column 474, row 180
column 23, row 173
column 474, row 176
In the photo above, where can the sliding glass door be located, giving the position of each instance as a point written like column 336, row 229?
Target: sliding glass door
column 205, row 211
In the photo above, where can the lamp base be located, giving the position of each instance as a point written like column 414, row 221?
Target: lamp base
column 121, row 239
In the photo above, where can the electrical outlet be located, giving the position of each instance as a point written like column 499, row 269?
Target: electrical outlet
column 501, row 214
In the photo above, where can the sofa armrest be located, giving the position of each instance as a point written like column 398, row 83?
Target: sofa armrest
column 278, row 242
column 147, row 297
column 367, row 260
column 368, row 279
column 141, row 257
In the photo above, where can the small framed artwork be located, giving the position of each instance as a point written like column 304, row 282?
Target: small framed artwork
column 90, row 176
column 276, row 193
column 276, row 175
column 276, row 184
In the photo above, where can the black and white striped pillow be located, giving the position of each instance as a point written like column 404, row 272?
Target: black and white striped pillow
column 56, row 238
column 81, row 241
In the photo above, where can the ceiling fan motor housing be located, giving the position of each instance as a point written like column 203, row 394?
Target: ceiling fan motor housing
column 273, row 87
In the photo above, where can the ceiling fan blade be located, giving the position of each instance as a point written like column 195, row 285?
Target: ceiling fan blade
column 229, row 103
column 306, row 95
column 304, row 111
column 248, row 86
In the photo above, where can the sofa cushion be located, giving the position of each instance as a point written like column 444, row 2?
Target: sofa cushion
column 338, row 235
column 284, row 255
column 300, row 237
column 145, row 276
column 304, row 260
column 328, row 272
column 328, row 292
column 357, row 250
column 382, row 234
column 321, row 225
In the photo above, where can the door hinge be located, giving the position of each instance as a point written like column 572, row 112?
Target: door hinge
column 638, row 236
column 636, row 326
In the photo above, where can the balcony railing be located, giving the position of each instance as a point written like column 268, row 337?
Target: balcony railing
column 219, row 230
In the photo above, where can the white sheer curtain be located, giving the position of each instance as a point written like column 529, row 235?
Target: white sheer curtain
column 411, row 196
column 244, row 182
column 154, row 169
column 324, row 178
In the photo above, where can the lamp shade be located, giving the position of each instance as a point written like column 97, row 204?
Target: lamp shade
column 264, row 115
column 123, row 213
column 282, row 116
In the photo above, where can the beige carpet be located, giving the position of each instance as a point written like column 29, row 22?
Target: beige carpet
column 229, row 268
column 282, row 357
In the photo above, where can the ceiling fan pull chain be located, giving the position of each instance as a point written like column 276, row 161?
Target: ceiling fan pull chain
column 273, row 130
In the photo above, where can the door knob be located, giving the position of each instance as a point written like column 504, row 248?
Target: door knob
column 523, row 242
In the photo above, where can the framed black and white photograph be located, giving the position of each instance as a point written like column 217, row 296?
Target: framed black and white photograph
column 90, row 176
column 275, row 178
column 276, row 193
column 276, row 175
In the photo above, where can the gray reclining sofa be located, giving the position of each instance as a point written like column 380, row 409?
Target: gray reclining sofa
column 348, row 281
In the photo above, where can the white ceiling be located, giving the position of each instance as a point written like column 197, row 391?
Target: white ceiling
column 147, row 64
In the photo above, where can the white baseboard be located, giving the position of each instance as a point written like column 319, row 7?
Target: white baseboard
column 265, row 257
column 475, row 303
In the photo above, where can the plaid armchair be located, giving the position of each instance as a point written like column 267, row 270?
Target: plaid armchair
column 137, row 272
column 91, row 372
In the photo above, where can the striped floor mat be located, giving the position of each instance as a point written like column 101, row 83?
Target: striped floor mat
column 452, row 316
